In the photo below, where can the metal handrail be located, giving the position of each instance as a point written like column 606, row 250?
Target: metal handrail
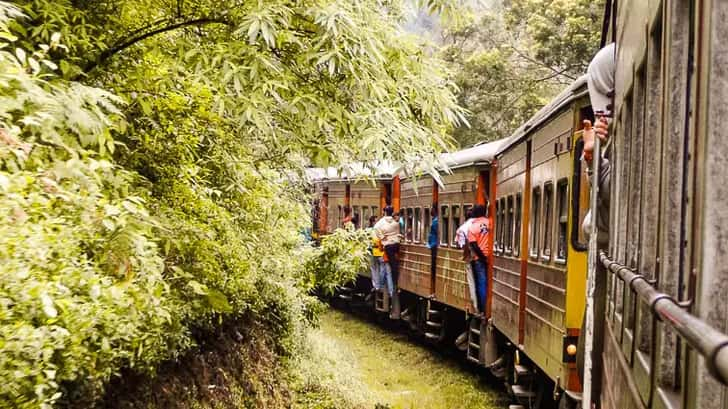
column 708, row 341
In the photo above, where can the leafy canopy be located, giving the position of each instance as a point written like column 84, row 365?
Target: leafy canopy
column 511, row 57
column 150, row 154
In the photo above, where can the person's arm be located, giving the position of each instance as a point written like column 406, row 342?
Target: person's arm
column 475, row 249
column 466, row 252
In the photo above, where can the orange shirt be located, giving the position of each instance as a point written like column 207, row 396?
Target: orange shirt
column 481, row 233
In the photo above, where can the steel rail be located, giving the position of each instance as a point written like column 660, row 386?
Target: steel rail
column 708, row 341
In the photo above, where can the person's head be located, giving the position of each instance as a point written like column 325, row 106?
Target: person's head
column 347, row 210
column 372, row 221
column 396, row 215
column 478, row 211
column 355, row 219
column 469, row 214
column 433, row 210
column 600, row 79
column 388, row 211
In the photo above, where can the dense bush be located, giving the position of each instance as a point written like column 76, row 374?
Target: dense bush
column 148, row 198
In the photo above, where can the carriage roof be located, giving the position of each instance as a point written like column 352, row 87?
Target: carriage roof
column 576, row 90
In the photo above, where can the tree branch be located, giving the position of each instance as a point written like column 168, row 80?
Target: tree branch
column 110, row 52
column 534, row 61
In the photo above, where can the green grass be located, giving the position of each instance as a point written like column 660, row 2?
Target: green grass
column 361, row 365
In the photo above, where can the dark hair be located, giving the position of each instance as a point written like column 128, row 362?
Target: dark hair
column 347, row 210
column 469, row 214
column 372, row 220
column 388, row 210
column 433, row 209
column 478, row 211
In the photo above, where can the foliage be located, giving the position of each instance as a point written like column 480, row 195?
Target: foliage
column 562, row 35
column 149, row 162
column 340, row 257
column 82, row 289
column 513, row 57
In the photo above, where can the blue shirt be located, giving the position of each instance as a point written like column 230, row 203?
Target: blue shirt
column 432, row 240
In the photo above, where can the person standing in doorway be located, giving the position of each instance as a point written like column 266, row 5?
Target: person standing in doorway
column 461, row 236
column 480, row 239
column 377, row 261
column 433, row 241
column 387, row 231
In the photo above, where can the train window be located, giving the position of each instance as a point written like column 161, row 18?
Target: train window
column 365, row 216
column 509, row 225
column 562, row 217
column 409, row 225
column 418, row 224
column 356, row 217
column 504, row 225
column 456, row 219
column 548, row 210
column 426, row 223
column 535, row 220
column 444, row 225
column 496, row 242
column 517, row 227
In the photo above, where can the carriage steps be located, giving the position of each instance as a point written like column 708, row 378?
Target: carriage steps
column 381, row 301
column 434, row 328
column 473, row 352
column 346, row 293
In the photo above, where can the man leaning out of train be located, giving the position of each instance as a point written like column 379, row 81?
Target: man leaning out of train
column 480, row 238
column 600, row 81
column 387, row 230
column 461, row 237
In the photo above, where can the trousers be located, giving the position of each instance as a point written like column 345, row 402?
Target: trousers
column 480, row 270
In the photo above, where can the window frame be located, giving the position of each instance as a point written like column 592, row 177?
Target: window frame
column 562, row 205
column 453, row 235
column 509, row 225
column 418, row 224
column 444, row 226
column 547, row 221
column 533, row 248
column 498, row 227
column 409, row 232
column 518, row 221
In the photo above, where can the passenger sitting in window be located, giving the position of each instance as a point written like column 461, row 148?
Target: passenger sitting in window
column 461, row 237
column 480, row 239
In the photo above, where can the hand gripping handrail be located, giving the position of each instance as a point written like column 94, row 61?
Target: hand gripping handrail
column 708, row 341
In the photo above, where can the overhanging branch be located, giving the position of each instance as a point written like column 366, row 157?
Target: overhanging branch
column 110, row 52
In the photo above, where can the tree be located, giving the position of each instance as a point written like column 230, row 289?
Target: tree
column 152, row 149
column 510, row 61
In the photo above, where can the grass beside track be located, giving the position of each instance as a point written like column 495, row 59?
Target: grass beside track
column 358, row 364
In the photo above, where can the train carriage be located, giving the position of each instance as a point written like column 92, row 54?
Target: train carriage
column 540, row 262
column 664, row 271
column 439, row 304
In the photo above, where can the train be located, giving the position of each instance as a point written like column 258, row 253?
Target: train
column 655, row 291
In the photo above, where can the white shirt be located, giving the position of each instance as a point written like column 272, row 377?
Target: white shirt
column 387, row 230
column 461, row 234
